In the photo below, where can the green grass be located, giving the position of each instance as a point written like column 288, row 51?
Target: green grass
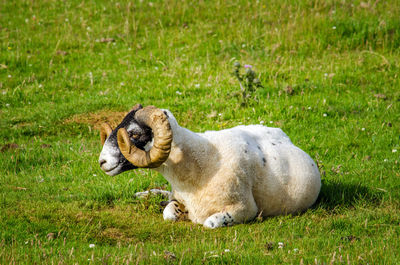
column 341, row 58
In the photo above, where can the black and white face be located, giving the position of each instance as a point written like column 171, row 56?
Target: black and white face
column 111, row 160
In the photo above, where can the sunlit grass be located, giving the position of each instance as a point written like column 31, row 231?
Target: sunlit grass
column 330, row 76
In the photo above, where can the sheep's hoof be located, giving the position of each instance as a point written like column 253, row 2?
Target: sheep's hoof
column 175, row 211
column 169, row 216
column 219, row 220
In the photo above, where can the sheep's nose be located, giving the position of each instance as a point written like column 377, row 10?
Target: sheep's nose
column 102, row 162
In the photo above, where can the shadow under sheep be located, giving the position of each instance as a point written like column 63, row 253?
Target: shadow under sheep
column 339, row 195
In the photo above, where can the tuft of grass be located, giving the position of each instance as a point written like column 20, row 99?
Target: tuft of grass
column 330, row 76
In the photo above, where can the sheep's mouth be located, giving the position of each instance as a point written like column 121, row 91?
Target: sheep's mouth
column 109, row 170
column 118, row 169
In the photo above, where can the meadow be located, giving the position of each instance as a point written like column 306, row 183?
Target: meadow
column 330, row 76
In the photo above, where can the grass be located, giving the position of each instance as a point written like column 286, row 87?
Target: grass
column 330, row 72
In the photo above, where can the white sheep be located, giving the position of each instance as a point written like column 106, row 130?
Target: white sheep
column 218, row 178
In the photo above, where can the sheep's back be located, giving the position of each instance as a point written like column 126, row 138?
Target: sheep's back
column 284, row 179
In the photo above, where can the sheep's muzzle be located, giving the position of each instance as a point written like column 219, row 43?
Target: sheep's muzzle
column 158, row 122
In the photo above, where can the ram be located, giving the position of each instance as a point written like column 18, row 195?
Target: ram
column 218, row 178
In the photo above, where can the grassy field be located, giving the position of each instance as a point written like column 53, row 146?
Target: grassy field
column 330, row 74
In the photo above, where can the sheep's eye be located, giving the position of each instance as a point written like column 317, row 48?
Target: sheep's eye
column 133, row 135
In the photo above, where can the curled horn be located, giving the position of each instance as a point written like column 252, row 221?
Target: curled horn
column 137, row 107
column 158, row 122
column 105, row 131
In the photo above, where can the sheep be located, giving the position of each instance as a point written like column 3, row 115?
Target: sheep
column 218, row 178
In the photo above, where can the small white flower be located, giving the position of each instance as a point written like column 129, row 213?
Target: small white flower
column 324, row 114
column 7, row 105
column 129, row 49
column 362, row 129
column 122, row 83
column 88, row 29
column 280, row 245
column 178, row 92
column 385, row 160
column 271, row 122
column 295, row 250
column 333, row 27
column 309, row 108
column 26, row 20
column 94, row 175
column 326, row 74
column 9, row 76
column 4, row 92
column 91, row 245
column 243, row 45
column 219, row 114
column 40, row 85
column 197, row 85
column 66, row 20
column 394, row 150
column 156, row 68
column 226, row 250
column 261, row 122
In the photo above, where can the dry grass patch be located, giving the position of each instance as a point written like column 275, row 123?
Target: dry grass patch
column 96, row 119
column 115, row 235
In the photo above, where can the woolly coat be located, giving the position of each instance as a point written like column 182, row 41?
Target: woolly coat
column 246, row 169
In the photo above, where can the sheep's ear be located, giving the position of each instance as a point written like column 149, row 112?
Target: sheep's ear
column 105, row 131
column 137, row 107
column 166, row 114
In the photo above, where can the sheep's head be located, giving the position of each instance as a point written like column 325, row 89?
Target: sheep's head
column 142, row 139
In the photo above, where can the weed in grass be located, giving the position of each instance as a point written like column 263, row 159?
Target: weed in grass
column 248, row 82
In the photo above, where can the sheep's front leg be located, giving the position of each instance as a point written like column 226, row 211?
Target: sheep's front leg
column 175, row 211
column 148, row 193
column 234, row 214
column 219, row 220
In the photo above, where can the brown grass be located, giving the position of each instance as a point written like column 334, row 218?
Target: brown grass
column 115, row 234
column 96, row 119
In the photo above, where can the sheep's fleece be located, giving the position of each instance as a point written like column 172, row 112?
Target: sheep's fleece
column 221, row 178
